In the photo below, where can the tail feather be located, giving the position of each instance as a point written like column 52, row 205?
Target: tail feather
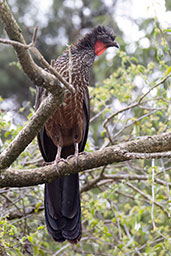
column 70, row 196
column 62, row 197
column 62, row 208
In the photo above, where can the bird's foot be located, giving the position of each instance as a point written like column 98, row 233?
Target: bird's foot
column 83, row 153
column 57, row 161
column 75, row 160
column 76, row 155
column 47, row 163
column 79, row 154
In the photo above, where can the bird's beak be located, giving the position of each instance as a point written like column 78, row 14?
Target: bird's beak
column 113, row 44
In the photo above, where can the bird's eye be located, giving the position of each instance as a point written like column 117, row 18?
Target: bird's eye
column 112, row 38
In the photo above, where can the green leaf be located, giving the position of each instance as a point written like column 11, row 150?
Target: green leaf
column 40, row 227
column 134, row 59
column 168, row 71
column 37, row 207
column 7, row 134
column 30, row 238
column 167, row 30
column 105, row 229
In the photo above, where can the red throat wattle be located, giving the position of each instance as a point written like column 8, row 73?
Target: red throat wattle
column 99, row 47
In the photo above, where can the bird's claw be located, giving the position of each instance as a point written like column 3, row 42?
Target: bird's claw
column 79, row 154
column 47, row 163
column 83, row 153
column 57, row 161
column 76, row 157
column 75, row 160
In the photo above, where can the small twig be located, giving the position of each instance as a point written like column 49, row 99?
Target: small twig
column 46, row 64
column 34, row 36
column 125, row 194
column 148, row 198
column 116, row 177
column 151, row 109
column 14, row 43
column 153, row 195
column 134, row 155
column 38, row 162
column 103, row 180
column 168, row 186
column 58, row 252
column 163, row 35
column 97, row 115
column 108, row 119
column 139, row 102
column 154, row 86
column 133, row 122
column 157, row 241
column 91, row 184
column 102, row 171
column 39, row 56
column 11, row 201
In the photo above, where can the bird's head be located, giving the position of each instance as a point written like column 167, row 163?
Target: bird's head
column 105, row 38
column 99, row 39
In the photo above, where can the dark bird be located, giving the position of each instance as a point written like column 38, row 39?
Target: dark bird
column 65, row 133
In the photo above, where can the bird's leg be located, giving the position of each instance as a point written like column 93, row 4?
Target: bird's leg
column 59, row 144
column 58, row 157
column 76, row 153
column 77, row 134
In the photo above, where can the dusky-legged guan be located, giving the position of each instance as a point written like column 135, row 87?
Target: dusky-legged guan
column 66, row 131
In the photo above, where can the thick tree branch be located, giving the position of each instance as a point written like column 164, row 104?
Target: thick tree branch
column 33, row 71
column 37, row 75
column 27, row 134
column 121, row 152
column 97, row 182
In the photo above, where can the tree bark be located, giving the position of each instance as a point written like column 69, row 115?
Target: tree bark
column 156, row 146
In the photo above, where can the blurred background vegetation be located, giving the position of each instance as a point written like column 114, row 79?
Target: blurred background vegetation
column 120, row 217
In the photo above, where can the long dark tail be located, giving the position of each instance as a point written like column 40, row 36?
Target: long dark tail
column 62, row 209
column 62, row 197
